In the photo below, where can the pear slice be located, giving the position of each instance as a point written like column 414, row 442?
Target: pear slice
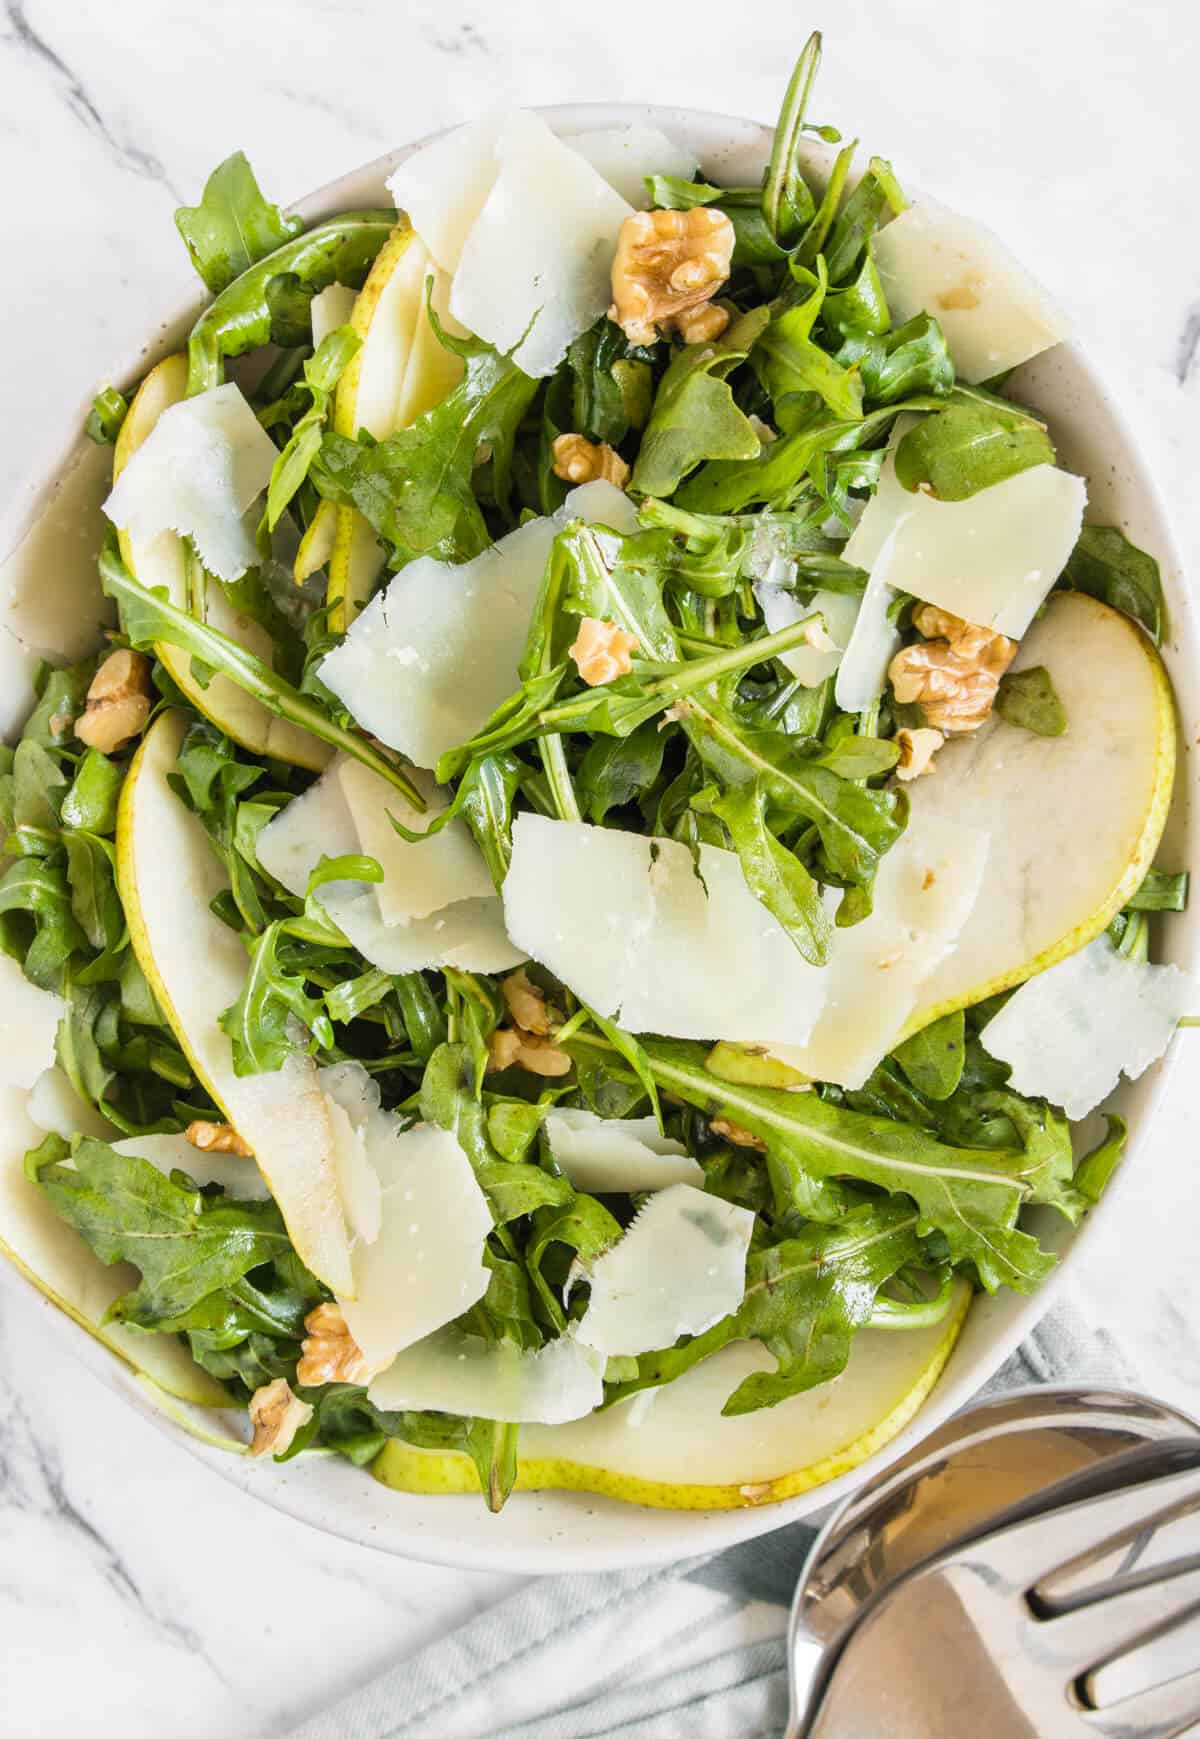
column 167, row 873
column 673, row 1449
column 1075, row 820
column 400, row 372
column 159, row 561
column 55, row 1259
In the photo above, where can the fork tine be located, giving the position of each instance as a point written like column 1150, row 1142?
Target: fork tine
column 1166, row 1712
column 1085, row 1637
column 1025, row 1554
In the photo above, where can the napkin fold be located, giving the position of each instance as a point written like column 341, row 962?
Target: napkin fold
column 691, row 1650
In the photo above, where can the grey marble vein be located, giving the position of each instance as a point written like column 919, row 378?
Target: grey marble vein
column 36, row 48
column 1188, row 346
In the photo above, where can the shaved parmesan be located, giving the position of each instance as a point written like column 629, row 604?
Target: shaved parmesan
column 239, row 1178
column 631, row 928
column 990, row 559
column 535, row 269
column 874, row 639
column 29, row 1020
column 55, row 1106
column 925, row 890
column 432, row 371
column 331, row 308
column 994, row 314
column 434, row 654
column 418, row 879
column 1071, row 1032
column 601, row 1154
column 452, row 1372
column 469, row 934
column 680, row 1268
column 443, row 187
column 780, row 609
column 198, row 472
column 420, row 1224
column 358, row 1184
column 450, row 930
column 625, row 156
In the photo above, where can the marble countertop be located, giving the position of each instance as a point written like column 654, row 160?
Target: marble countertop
column 138, row 1593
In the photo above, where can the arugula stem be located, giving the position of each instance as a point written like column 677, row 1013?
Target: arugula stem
column 895, row 1313
column 148, row 618
column 781, row 169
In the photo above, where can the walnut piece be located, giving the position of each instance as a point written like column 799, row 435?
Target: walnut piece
column 578, row 460
column 118, row 702
column 735, row 1133
column 954, row 673
column 218, row 1138
column 668, row 267
column 602, row 651
column 509, row 1045
column 276, row 1415
column 329, row 1352
column 917, row 749
column 526, row 1003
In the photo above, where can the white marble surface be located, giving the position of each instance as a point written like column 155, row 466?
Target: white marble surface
column 138, row 1595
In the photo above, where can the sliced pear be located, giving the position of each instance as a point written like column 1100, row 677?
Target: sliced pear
column 400, row 371
column 167, row 874
column 159, row 561
column 1075, row 819
column 55, row 1259
column 316, row 546
column 673, row 1449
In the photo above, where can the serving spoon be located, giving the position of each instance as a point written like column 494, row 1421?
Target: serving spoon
column 1003, row 1461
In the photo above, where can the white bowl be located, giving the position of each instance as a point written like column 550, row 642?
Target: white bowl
column 558, row 1531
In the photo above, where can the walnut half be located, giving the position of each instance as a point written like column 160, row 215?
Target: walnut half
column 276, row 1415
column 917, row 749
column 118, row 702
column 602, row 651
column 329, row 1352
column 578, row 460
column 953, row 676
column 668, row 267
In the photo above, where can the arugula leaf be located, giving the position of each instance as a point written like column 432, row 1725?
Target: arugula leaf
column 91, row 875
column 787, row 202
column 934, row 1058
column 148, row 617
column 1161, row 892
column 233, row 226
column 582, row 1228
column 1105, row 565
column 894, row 365
column 788, row 362
column 616, row 770
column 257, row 1022
column 187, row 1245
column 41, row 891
column 103, row 425
column 606, row 403
column 774, row 875
column 416, row 489
column 878, row 192
column 968, row 447
column 695, row 417
column 321, row 375
column 91, row 802
column 971, row 1196
column 1027, row 698
column 858, row 310
column 1097, row 1167
column 340, row 250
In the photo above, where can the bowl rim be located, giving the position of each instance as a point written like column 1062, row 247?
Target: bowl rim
column 316, row 1502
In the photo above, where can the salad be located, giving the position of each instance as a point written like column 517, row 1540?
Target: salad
column 607, row 851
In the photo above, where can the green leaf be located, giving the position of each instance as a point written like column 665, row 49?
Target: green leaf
column 448, row 1098
column 933, row 1058
column 774, row 875
column 605, row 404
column 339, row 250
column 257, row 1023
column 42, row 892
column 1107, row 566
column 516, row 1189
column 971, row 1196
column 513, row 1126
column 787, row 203
column 186, row 1245
column 76, row 1046
column 617, row 770
column 1097, row 1167
column 417, row 488
column 583, row 1228
column 969, row 447
column 321, row 374
column 896, row 365
column 233, row 227
column 788, row 362
column 878, row 192
column 148, row 617
column 423, row 1015
column 859, row 310
column 694, row 416
column 1027, row 698
column 91, row 802
column 39, row 786
column 94, row 898
column 104, row 420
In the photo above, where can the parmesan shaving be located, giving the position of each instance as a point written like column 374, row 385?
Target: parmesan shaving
column 604, row 1154
column 452, row 1372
